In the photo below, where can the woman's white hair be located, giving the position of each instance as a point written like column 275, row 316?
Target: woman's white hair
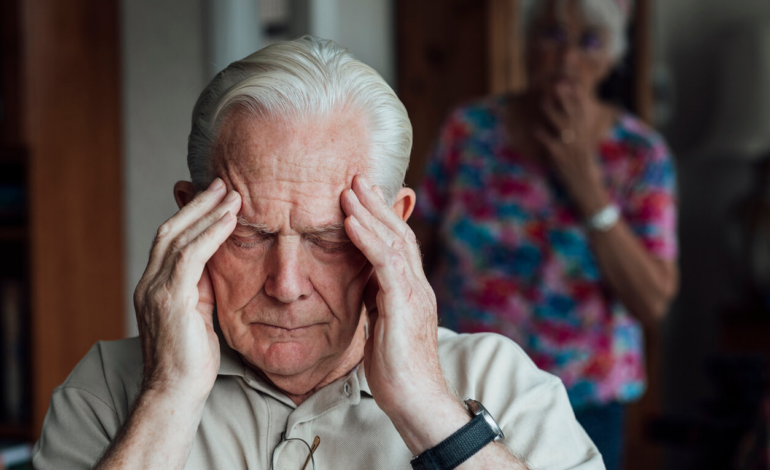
column 611, row 15
column 307, row 78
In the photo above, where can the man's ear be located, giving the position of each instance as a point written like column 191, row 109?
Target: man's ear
column 184, row 192
column 405, row 202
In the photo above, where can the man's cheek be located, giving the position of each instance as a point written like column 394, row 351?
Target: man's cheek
column 235, row 279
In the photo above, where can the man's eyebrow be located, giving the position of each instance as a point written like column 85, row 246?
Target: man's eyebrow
column 324, row 229
column 321, row 230
column 260, row 228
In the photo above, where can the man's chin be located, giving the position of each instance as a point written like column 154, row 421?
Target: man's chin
column 284, row 359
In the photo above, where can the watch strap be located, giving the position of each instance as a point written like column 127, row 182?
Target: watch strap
column 457, row 448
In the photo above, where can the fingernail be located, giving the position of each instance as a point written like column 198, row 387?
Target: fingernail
column 216, row 184
column 364, row 181
column 354, row 221
column 232, row 197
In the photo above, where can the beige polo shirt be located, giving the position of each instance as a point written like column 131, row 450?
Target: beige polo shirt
column 244, row 416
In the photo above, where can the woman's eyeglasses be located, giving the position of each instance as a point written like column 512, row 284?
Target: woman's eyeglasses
column 294, row 454
column 555, row 36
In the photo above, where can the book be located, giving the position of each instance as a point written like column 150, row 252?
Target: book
column 15, row 454
column 13, row 351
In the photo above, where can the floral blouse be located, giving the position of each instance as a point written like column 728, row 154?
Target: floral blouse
column 514, row 257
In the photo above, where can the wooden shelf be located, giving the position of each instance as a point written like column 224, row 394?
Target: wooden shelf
column 16, row 431
column 57, row 56
column 69, row 148
column 12, row 155
column 13, row 234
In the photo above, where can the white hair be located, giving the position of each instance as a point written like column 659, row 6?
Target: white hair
column 307, row 78
column 611, row 15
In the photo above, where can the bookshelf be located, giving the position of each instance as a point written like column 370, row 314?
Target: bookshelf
column 60, row 149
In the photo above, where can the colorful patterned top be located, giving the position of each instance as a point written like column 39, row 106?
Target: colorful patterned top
column 515, row 259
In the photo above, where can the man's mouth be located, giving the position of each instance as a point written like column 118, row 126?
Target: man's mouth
column 277, row 328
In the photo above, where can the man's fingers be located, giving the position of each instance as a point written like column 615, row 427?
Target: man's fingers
column 351, row 204
column 191, row 260
column 201, row 204
column 376, row 205
column 389, row 264
column 231, row 203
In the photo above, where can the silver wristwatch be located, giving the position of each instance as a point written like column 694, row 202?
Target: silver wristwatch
column 475, row 408
column 604, row 219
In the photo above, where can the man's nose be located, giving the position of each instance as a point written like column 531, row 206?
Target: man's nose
column 287, row 280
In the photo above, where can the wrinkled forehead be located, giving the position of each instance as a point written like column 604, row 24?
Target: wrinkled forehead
column 304, row 164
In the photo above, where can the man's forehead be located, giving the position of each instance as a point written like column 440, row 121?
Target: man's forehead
column 292, row 172
column 305, row 152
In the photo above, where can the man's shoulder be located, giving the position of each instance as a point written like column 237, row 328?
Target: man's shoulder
column 110, row 370
column 483, row 360
column 482, row 346
column 526, row 402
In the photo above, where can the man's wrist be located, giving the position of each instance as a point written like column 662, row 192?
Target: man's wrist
column 161, row 398
column 429, row 421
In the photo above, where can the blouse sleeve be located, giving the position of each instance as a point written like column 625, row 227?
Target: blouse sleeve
column 650, row 205
column 433, row 191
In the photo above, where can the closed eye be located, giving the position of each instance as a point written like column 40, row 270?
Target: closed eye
column 331, row 247
column 250, row 241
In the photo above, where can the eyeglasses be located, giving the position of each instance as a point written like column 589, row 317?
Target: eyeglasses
column 555, row 36
column 294, row 453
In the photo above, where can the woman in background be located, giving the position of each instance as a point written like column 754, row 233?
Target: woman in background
column 550, row 216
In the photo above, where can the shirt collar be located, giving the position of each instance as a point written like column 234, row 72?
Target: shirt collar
column 362, row 383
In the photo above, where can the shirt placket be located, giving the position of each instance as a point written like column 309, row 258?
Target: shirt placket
column 305, row 422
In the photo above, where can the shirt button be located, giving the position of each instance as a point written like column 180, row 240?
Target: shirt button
column 347, row 389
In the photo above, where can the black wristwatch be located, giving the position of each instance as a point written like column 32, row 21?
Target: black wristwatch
column 463, row 444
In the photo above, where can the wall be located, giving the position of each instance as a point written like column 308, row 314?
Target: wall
column 687, row 35
column 163, row 73
column 366, row 27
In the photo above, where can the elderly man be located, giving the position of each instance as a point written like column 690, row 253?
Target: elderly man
column 285, row 320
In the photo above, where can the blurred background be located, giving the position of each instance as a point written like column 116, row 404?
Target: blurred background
column 94, row 117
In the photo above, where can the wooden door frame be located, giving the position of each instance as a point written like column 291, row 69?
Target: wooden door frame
column 71, row 107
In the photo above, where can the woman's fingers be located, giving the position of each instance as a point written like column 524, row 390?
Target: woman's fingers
column 553, row 146
column 555, row 117
column 569, row 101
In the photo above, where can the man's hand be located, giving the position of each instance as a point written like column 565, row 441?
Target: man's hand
column 174, row 308
column 401, row 357
column 174, row 300
column 571, row 142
